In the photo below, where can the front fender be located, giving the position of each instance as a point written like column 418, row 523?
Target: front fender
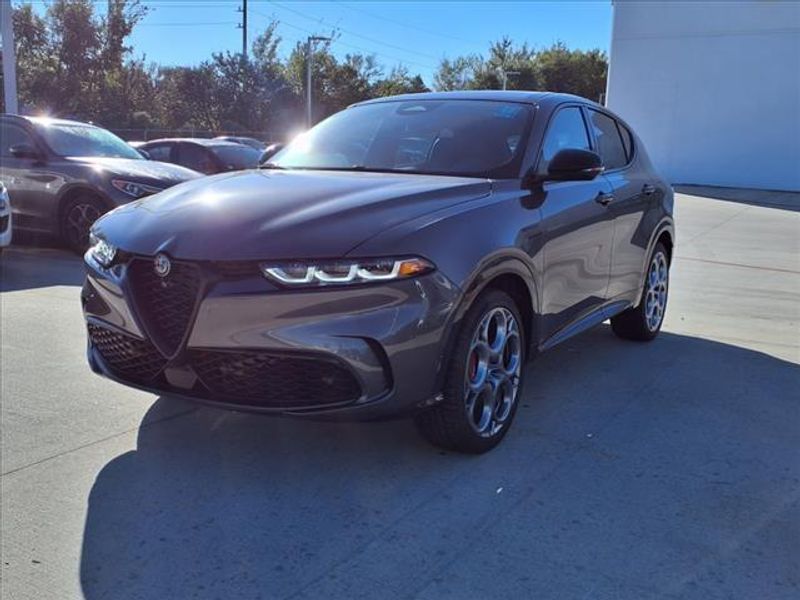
column 502, row 263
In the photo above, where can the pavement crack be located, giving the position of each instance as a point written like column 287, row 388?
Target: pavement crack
column 741, row 265
column 100, row 441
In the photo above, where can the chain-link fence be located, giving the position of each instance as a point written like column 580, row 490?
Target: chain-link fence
column 147, row 134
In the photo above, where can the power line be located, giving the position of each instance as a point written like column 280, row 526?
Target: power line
column 402, row 24
column 358, row 35
column 185, row 24
column 348, row 45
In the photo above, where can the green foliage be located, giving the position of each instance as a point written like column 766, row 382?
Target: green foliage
column 556, row 69
column 73, row 62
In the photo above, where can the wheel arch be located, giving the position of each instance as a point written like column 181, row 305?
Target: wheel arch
column 71, row 192
column 510, row 274
column 664, row 232
column 665, row 238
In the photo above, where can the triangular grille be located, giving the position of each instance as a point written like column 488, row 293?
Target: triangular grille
column 165, row 304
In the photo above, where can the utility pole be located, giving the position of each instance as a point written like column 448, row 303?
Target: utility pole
column 243, row 27
column 9, row 58
column 505, row 75
column 309, row 67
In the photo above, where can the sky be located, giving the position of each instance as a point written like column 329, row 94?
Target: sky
column 416, row 34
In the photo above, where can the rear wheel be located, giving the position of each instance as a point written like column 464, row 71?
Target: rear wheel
column 483, row 381
column 644, row 322
column 77, row 219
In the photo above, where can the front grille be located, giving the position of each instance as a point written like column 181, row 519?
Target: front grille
column 125, row 355
column 165, row 304
column 269, row 379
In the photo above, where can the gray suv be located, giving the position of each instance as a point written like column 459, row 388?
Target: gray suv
column 62, row 175
column 402, row 258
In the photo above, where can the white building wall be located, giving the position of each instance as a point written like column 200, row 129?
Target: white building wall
column 712, row 88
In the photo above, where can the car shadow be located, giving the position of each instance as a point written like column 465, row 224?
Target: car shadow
column 615, row 444
column 767, row 198
column 23, row 268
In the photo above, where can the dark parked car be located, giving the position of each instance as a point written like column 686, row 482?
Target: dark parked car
column 365, row 274
column 62, row 175
column 203, row 155
column 247, row 141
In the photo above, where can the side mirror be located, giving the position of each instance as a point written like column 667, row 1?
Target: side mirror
column 269, row 152
column 24, row 151
column 572, row 164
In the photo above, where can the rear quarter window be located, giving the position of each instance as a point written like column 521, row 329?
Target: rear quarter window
column 627, row 140
column 609, row 142
column 160, row 152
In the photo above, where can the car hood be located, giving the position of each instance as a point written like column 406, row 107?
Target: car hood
column 279, row 214
column 146, row 171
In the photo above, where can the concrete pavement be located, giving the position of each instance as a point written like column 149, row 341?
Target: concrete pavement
column 664, row 470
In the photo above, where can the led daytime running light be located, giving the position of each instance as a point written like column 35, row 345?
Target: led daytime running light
column 347, row 273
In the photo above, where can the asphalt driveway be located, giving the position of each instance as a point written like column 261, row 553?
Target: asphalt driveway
column 664, row 470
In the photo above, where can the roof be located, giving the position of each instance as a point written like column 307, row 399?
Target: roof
column 526, row 97
column 198, row 141
column 226, row 138
column 45, row 120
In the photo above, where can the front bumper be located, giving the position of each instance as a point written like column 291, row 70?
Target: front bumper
column 368, row 351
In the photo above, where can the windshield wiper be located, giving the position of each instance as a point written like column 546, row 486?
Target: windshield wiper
column 356, row 168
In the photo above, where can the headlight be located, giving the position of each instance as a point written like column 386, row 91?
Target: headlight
column 101, row 250
column 346, row 272
column 134, row 189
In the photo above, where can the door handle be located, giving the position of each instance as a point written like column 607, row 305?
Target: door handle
column 648, row 189
column 604, row 198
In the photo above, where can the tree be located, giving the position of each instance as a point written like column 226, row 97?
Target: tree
column 336, row 84
column 399, row 81
column 186, row 96
column 75, row 63
column 556, row 69
column 575, row 71
column 456, row 74
column 71, row 62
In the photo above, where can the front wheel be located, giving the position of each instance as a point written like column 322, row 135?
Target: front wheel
column 77, row 219
column 644, row 322
column 483, row 380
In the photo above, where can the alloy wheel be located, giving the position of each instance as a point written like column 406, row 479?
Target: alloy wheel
column 79, row 221
column 492, row 378
column 656, row 291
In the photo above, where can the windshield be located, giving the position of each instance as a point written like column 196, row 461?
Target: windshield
column 446, row 137
column 85, row 140
column 238, row 156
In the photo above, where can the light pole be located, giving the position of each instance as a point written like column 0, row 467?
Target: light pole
column 309, row 65
column 9, row 57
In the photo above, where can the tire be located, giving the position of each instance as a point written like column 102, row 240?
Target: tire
column 77, row 218
column 643, row 322
column 478, row 356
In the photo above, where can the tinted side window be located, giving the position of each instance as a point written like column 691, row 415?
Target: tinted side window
column 11, row 135
column 609, row 142
column 566, row 130
column 197, row 158
column 160, row 152
column 627, row 140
